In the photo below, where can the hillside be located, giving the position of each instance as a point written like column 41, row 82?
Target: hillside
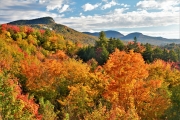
column 66, row 32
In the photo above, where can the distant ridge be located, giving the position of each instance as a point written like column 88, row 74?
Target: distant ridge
column 149, row 39
column 43, row 20
column 140, row 37
column 132, row 35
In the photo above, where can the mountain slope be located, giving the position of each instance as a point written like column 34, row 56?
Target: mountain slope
column 49, row 23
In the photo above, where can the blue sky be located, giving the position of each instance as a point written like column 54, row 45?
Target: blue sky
column 150, row 17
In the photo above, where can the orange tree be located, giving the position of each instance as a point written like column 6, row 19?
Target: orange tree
column 132, row 94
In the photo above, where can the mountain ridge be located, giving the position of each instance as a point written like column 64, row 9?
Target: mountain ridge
column 67, row 32
column 141, row 38
column 42, row 20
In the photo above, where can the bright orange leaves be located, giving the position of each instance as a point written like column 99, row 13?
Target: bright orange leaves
column 130, row 90
column 43, row 75
column 126, row 70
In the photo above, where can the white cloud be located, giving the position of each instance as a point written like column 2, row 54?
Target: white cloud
column 125, row 5
column 166, row 5
column 89, row 7
column 9, row 15
column 54, row 4
column 42, row 1
column 53, row 7
column 24, row 10
column 120, row 19
column 6, row 3
column 109, row 5
column 169, row 5
column 58, row 5
column 120, row 10
column 147, row 4
column 166, row 34
column 64, row 8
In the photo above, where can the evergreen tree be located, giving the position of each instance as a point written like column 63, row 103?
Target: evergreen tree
column 173, row 56
column 157, row 53
column 114, row 43
column 147, row 54
column 102, row 40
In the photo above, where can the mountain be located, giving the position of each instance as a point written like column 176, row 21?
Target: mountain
column 132, row 35
column 149, row 39
column 109, row 34
column 140, row 38
column 66, row 32
column 43, row 20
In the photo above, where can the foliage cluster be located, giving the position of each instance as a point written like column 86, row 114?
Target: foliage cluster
column 41, row 77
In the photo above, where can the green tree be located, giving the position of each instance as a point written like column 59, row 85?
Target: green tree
column 86, row 53
column 157, row 53
column 114, row 43
column 46, row 109
column 147, row 54
column 102, row 42
column 173, row 56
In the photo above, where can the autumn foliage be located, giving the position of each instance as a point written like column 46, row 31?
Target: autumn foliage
column 42, row 77
column 14, row 104
column 130, row 90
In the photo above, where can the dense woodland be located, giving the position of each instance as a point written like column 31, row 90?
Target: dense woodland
column 44, row 76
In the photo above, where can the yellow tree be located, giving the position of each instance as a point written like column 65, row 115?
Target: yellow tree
column 171, row 84
column 76, row 90
column 78, row 102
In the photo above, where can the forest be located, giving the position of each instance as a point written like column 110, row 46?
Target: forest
column 44, row 76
